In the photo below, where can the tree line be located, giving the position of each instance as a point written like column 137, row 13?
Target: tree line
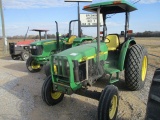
column 147, row 34
column 49, row 36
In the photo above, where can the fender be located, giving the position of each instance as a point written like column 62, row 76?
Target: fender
column 123, row 53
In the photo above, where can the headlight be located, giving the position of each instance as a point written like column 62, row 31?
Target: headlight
column 34, row 47
column 30, row 47
column 15, row 45
column 25, row 47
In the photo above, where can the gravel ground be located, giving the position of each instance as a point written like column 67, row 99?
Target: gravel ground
column 20, row 97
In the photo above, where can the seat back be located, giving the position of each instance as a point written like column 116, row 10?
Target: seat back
column 71, row 39
column 112, row 41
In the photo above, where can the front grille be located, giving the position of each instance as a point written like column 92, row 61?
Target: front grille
column 62, row 72
column 12, row 48
column 37, row 51
column 63, row 67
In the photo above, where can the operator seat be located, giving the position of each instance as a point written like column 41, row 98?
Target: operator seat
column 71, row 39
column 112, row 41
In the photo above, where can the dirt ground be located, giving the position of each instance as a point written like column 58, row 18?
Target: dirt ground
column 20, row 93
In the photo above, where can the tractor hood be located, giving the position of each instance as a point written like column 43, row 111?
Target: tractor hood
column 24, row 43
column 44, row 42
column 85, row 52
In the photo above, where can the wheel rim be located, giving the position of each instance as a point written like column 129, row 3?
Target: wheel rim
column 56, row 95
column 144, row 68
column 35, row 65
column 113, row 107
column 26, row 56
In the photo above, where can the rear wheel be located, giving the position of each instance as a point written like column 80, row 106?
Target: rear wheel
column 153, row 105
column 108, row 103
column 24, row 55
column 15, row 57
column 32, row 65
column 136, row 67
column 49, row 96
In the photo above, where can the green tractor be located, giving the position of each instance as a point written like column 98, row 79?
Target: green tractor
column 41, row 50
column 75, row 69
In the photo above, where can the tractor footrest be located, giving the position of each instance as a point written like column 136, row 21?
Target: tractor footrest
column 114, row 80
column 112, row 71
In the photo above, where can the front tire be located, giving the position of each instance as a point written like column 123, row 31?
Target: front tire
column 153, row 105
column 32, row 65
column 24, row 55
column 108, row 103
column 136, row 67
column 49, row 96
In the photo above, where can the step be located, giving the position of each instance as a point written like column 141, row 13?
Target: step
column 114, row 80
column 111, row 70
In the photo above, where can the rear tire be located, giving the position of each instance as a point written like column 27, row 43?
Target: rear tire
column 108, row 103
column 15, row 57
column 49, row 96
column 153, row 105
column 136, row 67
column 32, row 65
column 25, row 55
column 47, row 69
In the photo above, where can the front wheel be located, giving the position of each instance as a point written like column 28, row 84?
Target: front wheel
column 24, row 55
column 32, row 65
column 49, row 96
column 108, row 103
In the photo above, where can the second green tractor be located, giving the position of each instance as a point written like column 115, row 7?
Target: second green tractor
column 41, row 50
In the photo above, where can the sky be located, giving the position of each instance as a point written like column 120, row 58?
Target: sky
column 42, row 14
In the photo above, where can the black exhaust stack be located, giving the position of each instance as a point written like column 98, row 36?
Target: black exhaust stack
column 57, row 35
column 70, row 31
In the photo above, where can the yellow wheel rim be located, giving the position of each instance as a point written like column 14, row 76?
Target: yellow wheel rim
column 113, row 107
column 144, row 68
column 35, row 65
column 56, row 95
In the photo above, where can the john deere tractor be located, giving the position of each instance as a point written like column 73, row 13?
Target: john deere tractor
column 41, row 50
column 75, row 69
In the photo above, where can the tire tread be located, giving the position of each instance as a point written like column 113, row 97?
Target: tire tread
column 133, row 67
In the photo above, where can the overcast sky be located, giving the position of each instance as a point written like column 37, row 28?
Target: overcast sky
column 41, row 14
